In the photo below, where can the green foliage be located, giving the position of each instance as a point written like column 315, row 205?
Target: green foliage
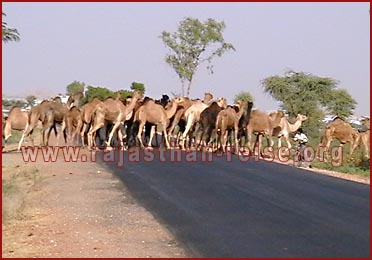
column 310, row 95
column 12, row 103
column 136, row 86
column 193, row 43
column 9, row 34
column 75, row 87
column 243, row 95
column 98, row 92
column 31, row 100
column 123, row 94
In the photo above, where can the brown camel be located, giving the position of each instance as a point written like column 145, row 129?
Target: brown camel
column 208, row 118
column 285, row 128
column 155, row 114
column 74, row 100
column 228, row 119
column 262, row 124
column 341, row 131
column 49, row 113
column 72, row 124
column 112, row 111
column 16, row 120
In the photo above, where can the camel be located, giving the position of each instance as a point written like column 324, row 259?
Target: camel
column 285, row 128
column 363, row 138
column 87, row 116
column 112, row 111
column 192, row 115
column 340, row 130
column 49, row 113
column 155, row 114
column 208, row 119
column 74, row 100
column 72, row 124
column 180, row 114
column 228, row 119
column 16, row 120
column 262, row 124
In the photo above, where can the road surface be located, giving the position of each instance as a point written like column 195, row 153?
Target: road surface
column 251, row 209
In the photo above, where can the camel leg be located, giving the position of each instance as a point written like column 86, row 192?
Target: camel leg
column 22, row 138
column 190, row 121
column 92, row 132
column 82, row 133
column 152, row 133
column 114, row 128
column 165, row 135
column 236, row 129
column 139, row 134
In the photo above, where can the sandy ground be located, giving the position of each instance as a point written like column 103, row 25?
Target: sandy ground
column 76, row 210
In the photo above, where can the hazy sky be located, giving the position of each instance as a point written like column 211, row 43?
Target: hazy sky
column 114, row 44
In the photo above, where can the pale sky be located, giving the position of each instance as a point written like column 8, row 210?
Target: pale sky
column 113, row 44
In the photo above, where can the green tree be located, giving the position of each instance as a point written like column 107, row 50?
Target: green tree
column 138, row 86
column 31, row 100
column 311, row 95
column 75, row 87
column 243, row 95
column 9, row 34
column 98, row 92
column 192, row 44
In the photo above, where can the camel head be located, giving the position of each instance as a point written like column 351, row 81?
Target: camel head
column 301, row 118
column 365, row 122
column 207, row 97
column 222, row 102
column 137, row 95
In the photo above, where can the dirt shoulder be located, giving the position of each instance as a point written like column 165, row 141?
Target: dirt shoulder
column 75, row 210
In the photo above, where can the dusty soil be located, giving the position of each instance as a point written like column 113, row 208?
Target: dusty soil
column 75, row 210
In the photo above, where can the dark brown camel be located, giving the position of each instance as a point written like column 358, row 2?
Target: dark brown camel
column 208, row 119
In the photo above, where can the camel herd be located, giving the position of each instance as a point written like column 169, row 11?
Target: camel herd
column 200, row 123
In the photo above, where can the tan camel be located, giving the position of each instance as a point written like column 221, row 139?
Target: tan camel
column 228, row 119
column 16, row 120
column 363, row 138
column 87, row 116
column 180, row 113
column 262, row 124
column 72, row 124
column 341, row 131
column 155, row 114
column 49, row 113
column 112, row 111
column 285, row 128
column 192, row 115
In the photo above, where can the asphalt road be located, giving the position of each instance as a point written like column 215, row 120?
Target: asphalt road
column 252, row 209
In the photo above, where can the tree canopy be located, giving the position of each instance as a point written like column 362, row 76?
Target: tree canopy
column 31, row 100
column 9, row 34
column 304, row 93
column 243, row 95
column 194, row 43
column 75, row 87
column 136, row 86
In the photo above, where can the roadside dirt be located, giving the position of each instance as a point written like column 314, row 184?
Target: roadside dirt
column 75, row 210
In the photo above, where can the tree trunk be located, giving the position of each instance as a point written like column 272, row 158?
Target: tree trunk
column 188, row 89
